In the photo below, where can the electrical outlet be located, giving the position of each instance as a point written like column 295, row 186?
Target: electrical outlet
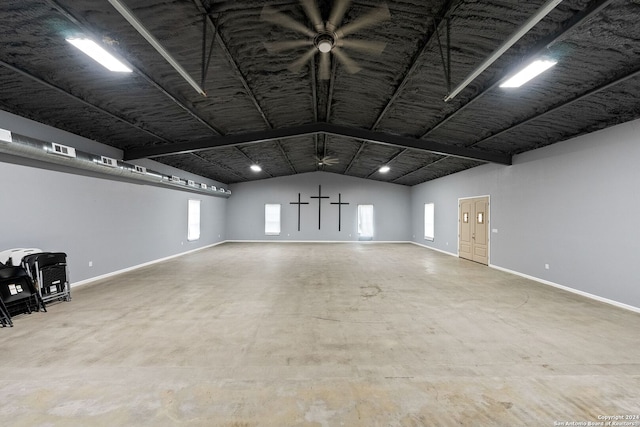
column 546, row 266
column 90, row 263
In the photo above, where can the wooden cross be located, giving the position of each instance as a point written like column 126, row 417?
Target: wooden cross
column 319, row 197
column 339, row 203
column 298, row 203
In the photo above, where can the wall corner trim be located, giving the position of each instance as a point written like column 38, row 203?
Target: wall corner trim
column 572, row 290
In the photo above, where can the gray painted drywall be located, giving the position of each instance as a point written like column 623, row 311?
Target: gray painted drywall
column 570, row 205
column 245, row 208
column 114, row 223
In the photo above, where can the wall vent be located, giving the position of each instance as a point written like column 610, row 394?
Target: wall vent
column 5, row 135
column 175, row 179
column 62, row 150
column 139, row 169
column 108, row 161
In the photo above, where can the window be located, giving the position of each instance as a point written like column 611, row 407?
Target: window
column 429, row 223
column 193, row 221
column 365, row 221
column 272, row 220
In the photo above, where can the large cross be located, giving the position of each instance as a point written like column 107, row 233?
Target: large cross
column 298, row 203
column 339, row 203
column 319, row 197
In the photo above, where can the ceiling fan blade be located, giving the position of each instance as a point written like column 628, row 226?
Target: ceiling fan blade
column 297, row 65
column 324, row 66
column 379, row 14
column 313, row 13
column 348, row 63
column 275, row 47
column 369, row 46
column 271, row 15
column 337, row 14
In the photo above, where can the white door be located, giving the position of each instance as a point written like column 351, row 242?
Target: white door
column 473, row 234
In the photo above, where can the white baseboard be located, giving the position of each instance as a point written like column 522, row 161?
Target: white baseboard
column 546, row 282
column 435, row 249
column 319, row 241
column 568, row 289
column 135, row 267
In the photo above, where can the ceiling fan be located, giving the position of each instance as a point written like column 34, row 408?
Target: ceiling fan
column 327, row 38
column 327, row 160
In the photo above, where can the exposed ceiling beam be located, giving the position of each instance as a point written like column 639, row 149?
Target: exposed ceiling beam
column 218, row 165
column 319, row 128
column 572, row 23
column 448, row 8
column 243, row 80
column 82, row 101
column 332, row 80
column 559, row 106
column 355, row 156
column 182, row 104
column 418, row 169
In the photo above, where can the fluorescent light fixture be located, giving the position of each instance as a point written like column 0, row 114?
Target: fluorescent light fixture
column 98, row 54
column 135, row 23
column 544, row 10
column 256, row 168
column 529, row 72
column 384, row 169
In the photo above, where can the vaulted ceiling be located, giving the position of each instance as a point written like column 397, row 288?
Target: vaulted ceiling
column 360, row 107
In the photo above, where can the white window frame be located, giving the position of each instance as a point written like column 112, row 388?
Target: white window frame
column 429, row 221
column 272, row 219
column 193, row 220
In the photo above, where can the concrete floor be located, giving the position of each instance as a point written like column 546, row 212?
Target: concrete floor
column 319, row 335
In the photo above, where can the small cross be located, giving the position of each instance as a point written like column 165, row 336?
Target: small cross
column 298, row 203
column 319, row 197
column 339, row 203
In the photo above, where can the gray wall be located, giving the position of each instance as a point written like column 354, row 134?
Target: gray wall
column 569, row 205
column 246, row 208
column 116, row 224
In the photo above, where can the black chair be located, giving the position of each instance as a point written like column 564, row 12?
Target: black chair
column 5, row 317
column 17, row 292
column 48, row 270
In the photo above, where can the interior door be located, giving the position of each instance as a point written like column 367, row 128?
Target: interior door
column 474, row 229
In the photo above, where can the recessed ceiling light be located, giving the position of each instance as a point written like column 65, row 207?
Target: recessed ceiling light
column 384, row 169
column 256, row 168
column 529, row 72
column 97, row 53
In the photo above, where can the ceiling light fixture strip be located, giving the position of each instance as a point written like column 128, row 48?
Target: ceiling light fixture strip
column 531, row 22
column 135, row 23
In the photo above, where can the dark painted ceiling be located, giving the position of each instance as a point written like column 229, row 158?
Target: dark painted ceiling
column 257, row 110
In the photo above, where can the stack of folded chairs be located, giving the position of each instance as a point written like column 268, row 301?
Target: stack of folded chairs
column 28, row 279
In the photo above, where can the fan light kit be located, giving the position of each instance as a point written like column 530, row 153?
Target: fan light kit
column 98, row 54
column 326, row 37
column 529, row 72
